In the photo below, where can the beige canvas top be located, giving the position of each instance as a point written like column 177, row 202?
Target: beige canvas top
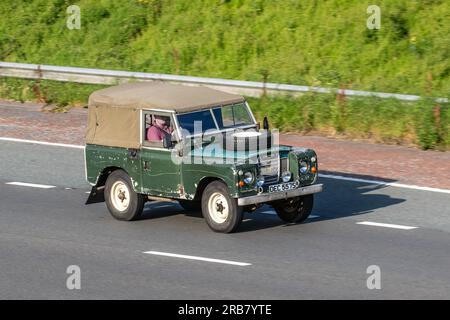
column 160, row 95
column 113, row 115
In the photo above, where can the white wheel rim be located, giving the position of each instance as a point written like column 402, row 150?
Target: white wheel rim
column 218, row 207
column 120, row 196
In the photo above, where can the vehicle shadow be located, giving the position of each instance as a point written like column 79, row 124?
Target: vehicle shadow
column 159, row 209
column 339, row 199
column 162, row 209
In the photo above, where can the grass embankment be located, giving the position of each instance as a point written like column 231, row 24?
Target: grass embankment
column 390, row 121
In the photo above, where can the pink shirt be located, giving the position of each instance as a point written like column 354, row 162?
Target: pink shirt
column 156, row 134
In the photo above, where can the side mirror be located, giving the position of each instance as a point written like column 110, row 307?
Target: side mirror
column 167, row 141
column 258, row 126
column 265, row 124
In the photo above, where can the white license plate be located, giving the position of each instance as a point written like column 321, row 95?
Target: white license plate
column 284, row 186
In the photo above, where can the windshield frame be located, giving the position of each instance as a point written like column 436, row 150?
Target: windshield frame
column 217, row 129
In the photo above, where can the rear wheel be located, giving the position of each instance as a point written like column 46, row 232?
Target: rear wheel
column 294, row 210
column 121, row 200
column 221, row 212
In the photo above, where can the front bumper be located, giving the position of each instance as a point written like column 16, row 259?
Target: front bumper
column 268, row 197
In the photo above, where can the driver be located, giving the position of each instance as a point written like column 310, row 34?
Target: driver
column 159, row 129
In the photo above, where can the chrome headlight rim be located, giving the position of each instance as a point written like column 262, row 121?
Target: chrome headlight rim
column 286, row 176
column 303, row 167
column 260, row 181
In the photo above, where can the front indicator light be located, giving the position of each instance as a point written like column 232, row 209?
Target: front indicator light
column 314, row 170
column 241, row 183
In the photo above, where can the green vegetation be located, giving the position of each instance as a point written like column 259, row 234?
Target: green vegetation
column 390, row 121
column 424, row 123
column 322, row 43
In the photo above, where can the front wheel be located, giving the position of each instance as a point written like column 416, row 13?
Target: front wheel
column 122, row 202
column 221, row 212
column 294, row 210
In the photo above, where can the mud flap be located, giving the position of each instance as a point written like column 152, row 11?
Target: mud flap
column 96, row 195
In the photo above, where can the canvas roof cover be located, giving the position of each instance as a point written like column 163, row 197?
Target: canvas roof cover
column 113, row 115
column 160, row 95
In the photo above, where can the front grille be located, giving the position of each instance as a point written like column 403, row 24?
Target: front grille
column 283, row 165
column 270, row 168
column 271, row 179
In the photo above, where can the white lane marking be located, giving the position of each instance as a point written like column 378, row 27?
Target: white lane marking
column 385, row 183
column 182, row 256
column 386, row 225
column 32, row 185
column 330, row 176
column 42, row 143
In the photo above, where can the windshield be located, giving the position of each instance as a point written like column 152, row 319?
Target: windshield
column 196, row 122
column 234, row 115
column 229, row 116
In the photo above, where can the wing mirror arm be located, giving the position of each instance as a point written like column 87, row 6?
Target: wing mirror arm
column 265, row 123
column 167, row 141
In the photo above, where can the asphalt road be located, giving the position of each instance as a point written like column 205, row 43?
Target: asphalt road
column 43, row 231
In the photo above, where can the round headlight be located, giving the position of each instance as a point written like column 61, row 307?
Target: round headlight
column 248, row 177
column 303, row 167
column 286, row 176
column 260, row 181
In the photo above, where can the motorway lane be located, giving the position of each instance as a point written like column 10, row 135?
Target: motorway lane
column 50, row 165
column 319, row 259
column 42, row 231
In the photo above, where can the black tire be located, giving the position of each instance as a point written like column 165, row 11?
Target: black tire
column 135, row 202
column 294, row 210
column 191, row 205
column 219, row 191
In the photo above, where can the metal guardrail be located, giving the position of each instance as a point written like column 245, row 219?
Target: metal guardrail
column 248, row 88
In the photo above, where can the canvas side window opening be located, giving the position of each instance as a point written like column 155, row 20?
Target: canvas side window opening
column 157, row 126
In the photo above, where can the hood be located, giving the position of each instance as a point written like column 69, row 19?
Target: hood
column 215, row 150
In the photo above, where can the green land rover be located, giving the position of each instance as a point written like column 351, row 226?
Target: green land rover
column 155, row 141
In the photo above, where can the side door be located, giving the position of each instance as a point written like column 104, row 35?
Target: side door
column 161, row 176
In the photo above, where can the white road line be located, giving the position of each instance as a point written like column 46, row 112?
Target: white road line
column 42, row 143
column 386, row 225
column 385, row 183
column 32, row 185
column 329, row 176
column 182, row 256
